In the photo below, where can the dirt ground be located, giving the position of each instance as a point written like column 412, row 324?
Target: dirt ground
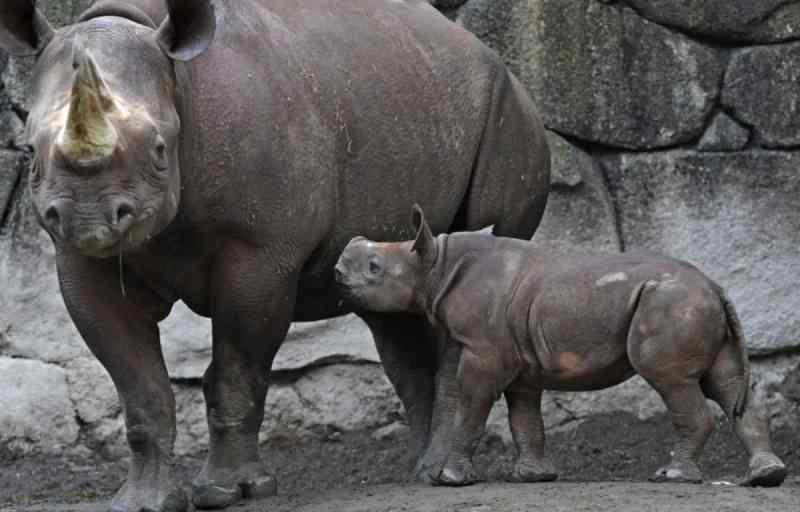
column 604, row 466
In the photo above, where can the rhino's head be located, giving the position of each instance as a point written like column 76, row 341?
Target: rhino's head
column 103, row 124
column 388, row 277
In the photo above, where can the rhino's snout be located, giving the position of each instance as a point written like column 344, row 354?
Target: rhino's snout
column 90, row 234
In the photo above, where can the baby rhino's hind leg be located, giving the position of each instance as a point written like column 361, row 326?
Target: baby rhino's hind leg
column 527, row 428
column 672, row 334
column 725, row 383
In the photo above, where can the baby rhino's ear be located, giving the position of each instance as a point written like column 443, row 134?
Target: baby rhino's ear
column 425, row 244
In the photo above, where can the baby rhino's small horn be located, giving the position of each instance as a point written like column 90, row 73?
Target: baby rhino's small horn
column 89, row 135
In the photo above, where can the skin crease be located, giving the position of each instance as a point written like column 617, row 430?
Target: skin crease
column 523, row 320
column 253, row 140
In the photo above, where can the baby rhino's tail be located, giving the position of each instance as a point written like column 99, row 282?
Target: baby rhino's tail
column 736, row 337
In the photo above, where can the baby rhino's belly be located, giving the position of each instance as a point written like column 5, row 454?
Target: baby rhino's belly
column 580, row 334
column 572, row 371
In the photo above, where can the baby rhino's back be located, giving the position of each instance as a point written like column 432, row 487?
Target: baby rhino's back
column 580, row 310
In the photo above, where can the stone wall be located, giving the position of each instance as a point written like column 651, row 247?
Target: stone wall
column 673, row 127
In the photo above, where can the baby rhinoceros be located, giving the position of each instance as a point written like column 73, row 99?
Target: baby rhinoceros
column 527, row 320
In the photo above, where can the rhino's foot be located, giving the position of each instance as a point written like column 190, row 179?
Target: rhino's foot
column 162, row 494
column 538, row 470
column 679, row 472
column 429, row 465
column 226, row 488
column 455, row 474
column 766, row 470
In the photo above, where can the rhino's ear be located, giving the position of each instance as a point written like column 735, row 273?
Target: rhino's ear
column 188, row 29
column 425, row 243
column 24, row 31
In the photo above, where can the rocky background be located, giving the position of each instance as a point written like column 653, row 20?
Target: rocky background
column 674, row 126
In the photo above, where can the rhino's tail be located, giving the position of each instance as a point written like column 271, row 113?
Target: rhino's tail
column 736, row 336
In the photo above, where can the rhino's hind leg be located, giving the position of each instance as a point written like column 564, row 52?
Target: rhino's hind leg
column 723, row 384
column 527, row 428
column 693, row 423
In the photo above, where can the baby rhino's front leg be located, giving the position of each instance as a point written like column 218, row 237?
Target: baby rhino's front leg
column 527, row 428
column 478, row 388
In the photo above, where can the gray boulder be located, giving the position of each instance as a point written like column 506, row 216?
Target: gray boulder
column 35, row 410
column 728, row 21
column 733, row 215
column 321, row 402
column 580, row 213
column 187, row 344
column 761, row 89
column 602, row 73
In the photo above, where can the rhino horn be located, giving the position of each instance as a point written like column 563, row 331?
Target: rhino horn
column 89, row 135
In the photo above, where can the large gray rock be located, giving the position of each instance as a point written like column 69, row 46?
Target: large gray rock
column 730, row 21
column 580, row 215
column 733, row 215
column 602, row 73
column 91, row 390
column 761, row 89
column 324, row 400
column 186, row 339
column 489, row 20
column 36, row 413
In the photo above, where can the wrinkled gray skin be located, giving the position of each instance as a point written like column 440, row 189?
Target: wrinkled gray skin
column 224, row 157
column 524, row 320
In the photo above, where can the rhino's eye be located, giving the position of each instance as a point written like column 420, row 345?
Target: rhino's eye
column 160, row 155
column 374, row 268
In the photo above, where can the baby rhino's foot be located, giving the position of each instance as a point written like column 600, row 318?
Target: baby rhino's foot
column 456, row 474
column 766, row 470
column 534, row 470
column 678, row 472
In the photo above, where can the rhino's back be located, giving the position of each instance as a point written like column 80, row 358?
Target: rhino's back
column 318, row 121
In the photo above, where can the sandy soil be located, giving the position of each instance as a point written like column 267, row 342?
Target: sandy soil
column 604, row 466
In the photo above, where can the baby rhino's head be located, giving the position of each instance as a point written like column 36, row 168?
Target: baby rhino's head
column 388, row 277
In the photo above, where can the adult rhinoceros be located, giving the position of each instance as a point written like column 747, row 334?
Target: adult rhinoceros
column 223, row 155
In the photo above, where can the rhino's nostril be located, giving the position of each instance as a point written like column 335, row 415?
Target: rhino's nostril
column 122, row 214
column 123, row 210
column 51, row 216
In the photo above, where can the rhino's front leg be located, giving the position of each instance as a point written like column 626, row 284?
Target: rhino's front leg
column 122, row 332
column 407, row 348
column 253, row 300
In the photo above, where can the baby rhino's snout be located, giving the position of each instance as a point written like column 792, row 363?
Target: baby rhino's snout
column 349, row 259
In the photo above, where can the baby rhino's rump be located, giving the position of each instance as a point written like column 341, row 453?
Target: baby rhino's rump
column 582, row 315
